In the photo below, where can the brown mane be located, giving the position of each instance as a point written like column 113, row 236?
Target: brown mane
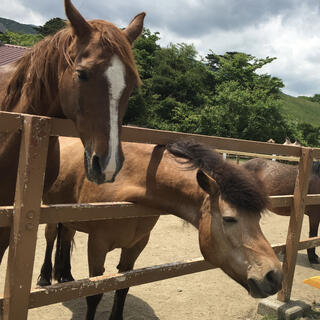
column 237, row 185
column 37, row 72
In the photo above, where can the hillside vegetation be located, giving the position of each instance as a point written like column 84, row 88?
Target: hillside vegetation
column 14, row 26
column 300, row 109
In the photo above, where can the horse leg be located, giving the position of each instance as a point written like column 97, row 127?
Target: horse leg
column 127, row 260
column 62, row 264
column 4, row 241
column 45, row 276
column 314, row 220
column 96, row 256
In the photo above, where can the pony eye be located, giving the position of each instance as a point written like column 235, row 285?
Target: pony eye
column 82, row 75
column 229, row 219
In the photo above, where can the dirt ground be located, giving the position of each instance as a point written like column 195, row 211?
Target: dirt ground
column 207, row 295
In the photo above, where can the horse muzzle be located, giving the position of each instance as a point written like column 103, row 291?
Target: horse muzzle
column 97, row 170
column 270, row 284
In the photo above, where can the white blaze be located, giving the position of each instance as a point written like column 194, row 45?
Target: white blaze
column 115, row 75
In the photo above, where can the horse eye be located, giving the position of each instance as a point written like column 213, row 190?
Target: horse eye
column 229, row 220
column 82, row 75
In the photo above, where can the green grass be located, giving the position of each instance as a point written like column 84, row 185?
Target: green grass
column 301, row 110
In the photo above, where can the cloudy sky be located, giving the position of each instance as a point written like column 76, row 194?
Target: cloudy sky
column 286, row 29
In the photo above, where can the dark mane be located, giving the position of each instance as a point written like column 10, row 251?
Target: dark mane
column 237, row 185
column 37, row 72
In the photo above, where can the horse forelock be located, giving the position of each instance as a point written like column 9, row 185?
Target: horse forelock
column 113, row 39
column 37, row 72
column 243, row 189
column 237, row 185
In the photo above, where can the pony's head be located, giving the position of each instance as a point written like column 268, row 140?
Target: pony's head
column 229, row 232
column 95, row 87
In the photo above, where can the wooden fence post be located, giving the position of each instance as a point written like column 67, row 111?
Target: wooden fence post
column 29, row 188
column 295, row 224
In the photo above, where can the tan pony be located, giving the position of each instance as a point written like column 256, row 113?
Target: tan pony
column 85, row 73
column 222, row 201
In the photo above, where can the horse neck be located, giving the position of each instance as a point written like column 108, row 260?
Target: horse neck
column 149, row 177
column 160, row 183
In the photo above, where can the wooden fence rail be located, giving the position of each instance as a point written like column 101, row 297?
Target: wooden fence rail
column 27, row 213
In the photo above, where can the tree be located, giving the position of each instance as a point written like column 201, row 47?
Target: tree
column 246, row 104
column 222, row 95
column 308, row 134
column 315, row 98
column 51, row 27
column 25, row 40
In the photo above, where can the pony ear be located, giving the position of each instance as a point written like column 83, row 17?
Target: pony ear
column 135, row 27
column 207, row 183
column 80, row 26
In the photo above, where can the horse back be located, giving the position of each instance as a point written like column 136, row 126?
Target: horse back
column 279, row 178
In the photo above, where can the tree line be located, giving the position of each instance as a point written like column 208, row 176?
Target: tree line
column 222, row 95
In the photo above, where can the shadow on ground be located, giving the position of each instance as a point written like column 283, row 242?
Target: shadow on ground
column 135, row 308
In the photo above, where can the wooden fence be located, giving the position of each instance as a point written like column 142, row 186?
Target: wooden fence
column 27, row 213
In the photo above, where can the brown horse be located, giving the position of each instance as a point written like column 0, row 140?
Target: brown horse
column 279, row 179
column 85, row 73
column 221, row 200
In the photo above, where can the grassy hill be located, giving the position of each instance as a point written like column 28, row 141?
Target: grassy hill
column 301, row 110
column 14, row 26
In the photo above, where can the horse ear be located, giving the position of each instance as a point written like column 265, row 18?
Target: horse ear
column 135, row 27
column 207, row 183
column 80, row 26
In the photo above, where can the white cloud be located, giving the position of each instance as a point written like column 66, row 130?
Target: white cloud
column 14, row 9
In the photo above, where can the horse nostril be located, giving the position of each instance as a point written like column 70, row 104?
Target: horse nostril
column 96, row 165
column 274, row 279
column 270, row 276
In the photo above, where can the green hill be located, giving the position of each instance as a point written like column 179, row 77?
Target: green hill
column 301, row 109
column 14, row 26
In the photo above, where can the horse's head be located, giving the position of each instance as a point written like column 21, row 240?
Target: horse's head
column 94, row 89
column 230, row 238
column 229, row 232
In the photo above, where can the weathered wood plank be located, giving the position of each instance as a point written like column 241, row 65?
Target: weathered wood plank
column 114, row 210
column 84, row 212
column 95, row 211
column 38, row 297
column 295, row 223
column 258, row 155
column 10, row 122
column 64, row 127
column 32, row 160
column 81, row 288
column 143, row 135
column 281, row 201
column 302, row 245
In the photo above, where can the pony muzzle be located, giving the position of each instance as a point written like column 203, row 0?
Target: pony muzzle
column 266, row 286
